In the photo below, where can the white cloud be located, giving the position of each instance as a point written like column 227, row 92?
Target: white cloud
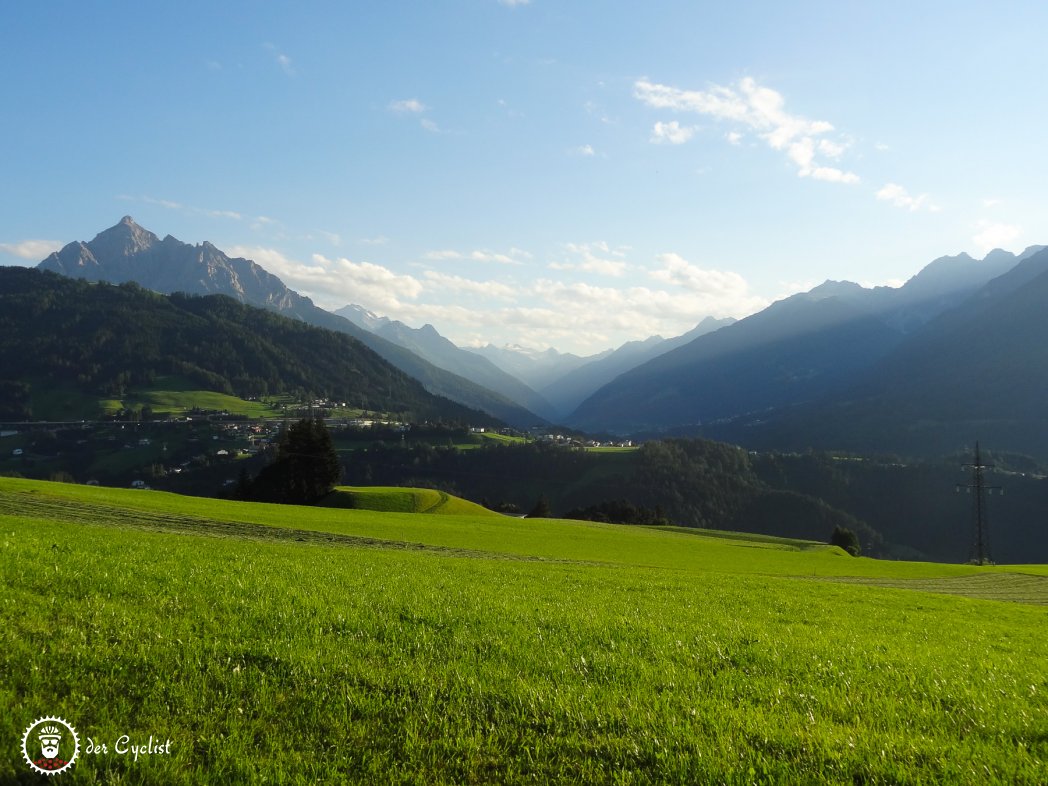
column 514, row 3
column 378, row 240
column 673, row 133
column 833, row 175
column 459, row 285
column 583, row 317
column 733, row 137
column 830, row 149
column 572, row 316
column 412, row 106
column 602, row 266
column 894, row 283
column 481, row 255
column 900, row 197
column 720, row 102
column 407, row 105
column 714, row 284
column 491, row 256
column 991, row 202
column 443, row 254
column 282, row 60
column 761, row 110
column 336, row 282
column 584, row 150
column 34, row 250
column 995, row 235
column 643, row 311
column 590, row 261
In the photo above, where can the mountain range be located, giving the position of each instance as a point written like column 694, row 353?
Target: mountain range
column 976, row 371
column 915, row 368
column 566, row 392
column 128, row 252
column 501, row 382
column 926, row 367
column 427, row 343
column 537, row 368
column 562, row 380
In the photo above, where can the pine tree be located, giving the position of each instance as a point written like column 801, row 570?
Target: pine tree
column 306, row 467
column 846, row 539
column 541, row 509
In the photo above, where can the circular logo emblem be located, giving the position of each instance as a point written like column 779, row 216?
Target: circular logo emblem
column 50, row 745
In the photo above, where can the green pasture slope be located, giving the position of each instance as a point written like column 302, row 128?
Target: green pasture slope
column 395, row 499
column 168, row 396
column 289, row 645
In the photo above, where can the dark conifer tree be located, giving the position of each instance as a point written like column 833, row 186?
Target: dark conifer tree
column 306, row 467
column 846, row 539
column 541, row 509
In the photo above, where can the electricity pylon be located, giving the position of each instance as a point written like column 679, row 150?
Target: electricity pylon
column 981, row 548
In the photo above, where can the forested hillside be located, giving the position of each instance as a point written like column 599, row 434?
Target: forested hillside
column 104, row 339
column 694, row 483
column 127, row 253
column 898, row 510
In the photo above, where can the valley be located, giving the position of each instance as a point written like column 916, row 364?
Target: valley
column 523, row 392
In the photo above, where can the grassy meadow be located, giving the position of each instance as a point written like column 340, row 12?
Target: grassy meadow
column 276, row 644
column 167, row 396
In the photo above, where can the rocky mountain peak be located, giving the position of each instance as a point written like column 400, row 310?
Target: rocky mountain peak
column 123, row 240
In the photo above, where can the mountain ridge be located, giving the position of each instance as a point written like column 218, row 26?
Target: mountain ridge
column 571, row 389
column 970, row 373
column 428, row 343
column 798, row 349
column 128, row 252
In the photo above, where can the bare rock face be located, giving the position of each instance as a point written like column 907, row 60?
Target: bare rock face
column 129, row 252
column 126, row 239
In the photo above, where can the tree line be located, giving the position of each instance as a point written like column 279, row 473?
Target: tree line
column 693, row 483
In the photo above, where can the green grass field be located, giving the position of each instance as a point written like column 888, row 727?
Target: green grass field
column 169, row 395
column 501, row 439
column 300, row 645
column 394, row 499
column 175, row 396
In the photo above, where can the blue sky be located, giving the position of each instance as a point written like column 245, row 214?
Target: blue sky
column 550, row 173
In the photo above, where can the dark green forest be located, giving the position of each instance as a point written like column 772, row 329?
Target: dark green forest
column 693, row 483
column 904, row 511
column 105, row 340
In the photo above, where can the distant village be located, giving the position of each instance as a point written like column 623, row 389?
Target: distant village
column 150, row 453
